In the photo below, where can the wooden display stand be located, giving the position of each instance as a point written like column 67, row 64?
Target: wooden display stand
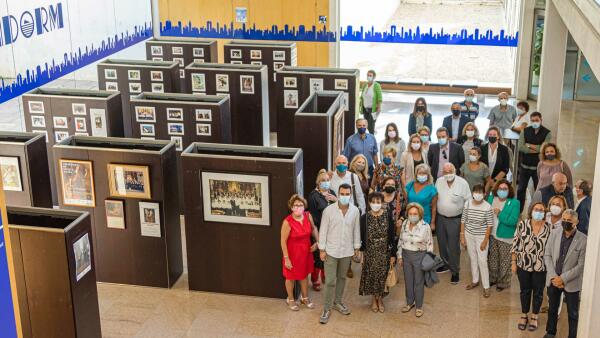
column 59, row 113
column 235, row 201
column 132, row 77
column 300, row 82
column 132, row 175
column 26, row 177
column 55, row 272
column 247, row 86
column 320, row 120
column 274, row 55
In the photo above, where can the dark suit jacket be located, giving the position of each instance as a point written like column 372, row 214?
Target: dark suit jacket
column 461, row 124
column 502, row 159
column 412, row 124
column 583, row 213
column 456, row 157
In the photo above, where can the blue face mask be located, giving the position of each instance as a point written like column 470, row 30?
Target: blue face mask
column 362, row 130
column 341, row 168
column 424, row 138
column 344, row 200
column 535, row 125
column 538, row 215
column 387, row 161
column 503, row 194
column 325, row 185
column 422, row 178
column 442, row 141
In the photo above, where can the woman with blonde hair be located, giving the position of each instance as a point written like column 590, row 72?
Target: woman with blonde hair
column 469, row 138
column 387, row 168
column 423, row 191
column 556, row 206
column 411, row 158
column 425, row 134
column 358, row 166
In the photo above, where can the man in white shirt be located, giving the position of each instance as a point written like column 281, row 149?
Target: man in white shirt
column 453, row 192
column 341, row 175
column 339, row 240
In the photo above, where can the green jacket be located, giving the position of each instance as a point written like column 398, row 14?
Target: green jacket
column 377, row 96
column 508, row 217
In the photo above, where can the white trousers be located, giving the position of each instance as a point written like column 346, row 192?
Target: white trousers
column 478, row 258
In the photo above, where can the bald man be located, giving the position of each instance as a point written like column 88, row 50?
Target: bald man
column 469, row 108
column 560, row 187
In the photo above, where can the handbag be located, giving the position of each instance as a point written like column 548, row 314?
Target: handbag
column 391, row 279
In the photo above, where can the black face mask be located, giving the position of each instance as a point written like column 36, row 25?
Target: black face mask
column 389, row 189
column 493, row 139
column 567, row 226
column 550, row 157
column 455, row 112
column 420, row 109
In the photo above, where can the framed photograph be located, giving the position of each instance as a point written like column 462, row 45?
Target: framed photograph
column 80, row 124
column 203, row 129
column 180, row 61
column 157, row 58
column 156, row 50
column 182, row 73
column 135, row 87
column 278, row 65
column 60, row 122
column 110, row 74
column 203, row 115
column 316, row 85
column 11, row 173
column 112, row 86
column 278, row 55
column 300, row 183
column 198, row 52
column 132, row 181
column 198, row 82
column 38, row 121
column 247, row 84
column 150, row 219
column 44, row 132
column 134, row 75
column 198, row 60
column 290, row 82
column 145, row 114
column 175, row 128
column 82, row 251
column 146, row 129
column 236, row 62
column 256, row 63
column 235, row 53
column 341, row 84
column 338, row 134
column 346, row 101
column 36, row 107
column 60, row 135
column 176, row 50
column 115, row 214
column 222, row 82
column 235, row 198
column 77, row 182
column 174, row 114
column 255, row 54
column 290, row 99
column 156, row 75
column 98, row 118
column 158, row 87
column 79, row 109
column 178, row 142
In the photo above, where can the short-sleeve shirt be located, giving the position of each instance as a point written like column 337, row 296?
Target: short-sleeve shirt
column 475, row 177
column 356, row 145
column 423, row 197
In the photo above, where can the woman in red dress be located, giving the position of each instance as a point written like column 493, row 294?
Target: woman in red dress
column 297, row 251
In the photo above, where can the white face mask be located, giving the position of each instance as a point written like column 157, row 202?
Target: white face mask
column 414, row 219
column 472, row 158
column 555, row 210
column 370, row 78
column 415, row 145
column 392, row 134
column 450, row 177
column 375, row 206
column 478, row 197
column 470, row 133
column 520, row 111
column 503, row 102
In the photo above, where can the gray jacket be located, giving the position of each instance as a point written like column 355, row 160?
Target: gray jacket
column 572, row 274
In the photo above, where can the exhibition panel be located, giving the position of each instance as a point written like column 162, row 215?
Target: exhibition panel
column 24, row 169
column 131, row 77
column 295, row 84
column 319, row 122
column 129, row 187
column 55, row 272
column 275, row 55
column 235, row 200
column 248, row 89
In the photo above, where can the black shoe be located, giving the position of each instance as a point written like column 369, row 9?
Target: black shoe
column 442, row 269
column 547, row 335
column 454, row 280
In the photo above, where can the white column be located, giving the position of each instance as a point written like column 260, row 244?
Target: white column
column 522, row 71
column 154, row 7
column 333, row 22
column 554, row 53
column 589, row 325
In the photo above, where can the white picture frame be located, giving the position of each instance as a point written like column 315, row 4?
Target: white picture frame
column 158, row 87
column 60, row 135
column 315, row 85
column 198, row 82
column 175, row 129
column 341, row 84
column 203, row 115
column 60, row 122
column 203, row 129
column 80, row 125
column 111, row 86
column 255, row 54
column 247, row 84
column 145, row 114
column 290, row 99
column 11, row 173
column 147, row 129
column 38, row 121
column 178, row 142
column 222, row 82
column 82, row 252
column 150, row 219
column 36, row 107
column 174, row 114
column 134, row 75
column 98, row 122
column 278, row 55
column 135, row 87
column 235, row 53
column 198, row 52
column 177, row 50
column 157, row 51
column 156, row 75
column 79, row 109
column 290, row 82
column 180, row 61
column 110, row 74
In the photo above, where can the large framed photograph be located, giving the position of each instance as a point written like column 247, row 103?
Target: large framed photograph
column 150, row 219
column 115, row 214
column 235, row 198
column 11, row 174
column 132, row 181
column 77, row 181
column 247, row 84
column 198, row 82
column 82, row 250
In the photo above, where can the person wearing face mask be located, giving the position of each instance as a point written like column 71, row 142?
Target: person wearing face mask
column 528, row 248
column 425, row 135
column 506, row 216
column 556, row 207
column 370, row 100
column 411, row 158
column 319, row 199
column 550, row 163
column 469, row 138
column 564, row 258
column 358, row 166
column 468, row 107
column 393, row 198
column 377, row 233
column 496, row 156
column 339, row 240
column 420, row 117
column 342, row 175
column 414, row 243
column 444, row 152
column 388, row 168
column 297, row 261
column 583, row 204
column 504, row 114
column 530, row 144
column 362, row 143
column 476, row 225
column 455, row 123
column 453, row 193
column 522, row 119
column 558, row 187
column 423, row 192
column 392, row 139
column 474, row 171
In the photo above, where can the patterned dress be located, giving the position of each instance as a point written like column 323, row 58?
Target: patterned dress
column 376, row 256
column 529, row 247
column 383, row 171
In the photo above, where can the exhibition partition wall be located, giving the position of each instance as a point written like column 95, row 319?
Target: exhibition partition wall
column 235, row 201
column 248, row 89
column 129, row 187
column 131, row 77
column 321, row 122
column 295, row 84
column 24, row 169
column 55, row 272
column 272, row 54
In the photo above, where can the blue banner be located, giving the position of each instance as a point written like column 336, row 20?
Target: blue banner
column 8, row 328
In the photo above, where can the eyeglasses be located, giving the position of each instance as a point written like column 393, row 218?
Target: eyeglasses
column 444, row 154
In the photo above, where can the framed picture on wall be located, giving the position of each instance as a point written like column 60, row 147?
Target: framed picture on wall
column 156, row 75
column 158, row 87
column 174, row 114
column 247, row 84
column 255, row 54
column 110, row 74
column 278, row 55
column 156, row 50
column 115, row 214
column 149, row 219
column 198, row 52
column 79, row 109
column 112, row 86
column 198, row 60
column 80, row 125
column 146, row 129
column 60, row 135
column 256, row 63
column 175, row 128
column 77, row 183
column 178, row 142
column 222, row 82
column 38, row 121
column 11, row 174
column 235, row 53
column 131, row 181
column 36, row 107
column 203, row 129
column 145, row 114
column 203, row 115
column 134, row 75
column 278, row 65
column 290, row 82
column 98, row 118
column 177, row 50
column 60, row 122
column 135, row 87
column 315, row 85
column 82, row 251
column 180, row 61
column 290, row 98
column 198, row 82
column 157, row 59
column 236, row 62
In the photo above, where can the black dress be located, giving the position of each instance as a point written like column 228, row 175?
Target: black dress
column 316, row 204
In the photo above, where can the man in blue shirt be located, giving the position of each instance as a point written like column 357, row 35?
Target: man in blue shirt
column 469, row 108
column 362, row 143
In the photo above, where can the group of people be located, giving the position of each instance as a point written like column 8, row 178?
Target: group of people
column 383, row 204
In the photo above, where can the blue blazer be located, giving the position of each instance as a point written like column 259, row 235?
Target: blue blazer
column 583, row 214
column 412, row 124
column 461, row 124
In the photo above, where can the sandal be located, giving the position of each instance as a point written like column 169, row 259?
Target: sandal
column 523, row 326
column 306, row 301
column 292, row 305
column 533, row 324
column 374, row 307
column 486, row 293
column 407, row 308
column 381, row 307
column 419, row 313
column 471, row 286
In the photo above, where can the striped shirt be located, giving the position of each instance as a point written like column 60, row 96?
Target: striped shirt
column 477, row 218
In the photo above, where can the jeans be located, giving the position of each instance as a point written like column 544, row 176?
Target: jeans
column 478, row 258
column 524, row 176
column 572, row 299
column 531, row 283
column 335, row 279
column 368, row 114
column 448, row 235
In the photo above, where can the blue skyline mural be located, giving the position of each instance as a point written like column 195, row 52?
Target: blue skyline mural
column 475, row 37
column 54, row 69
